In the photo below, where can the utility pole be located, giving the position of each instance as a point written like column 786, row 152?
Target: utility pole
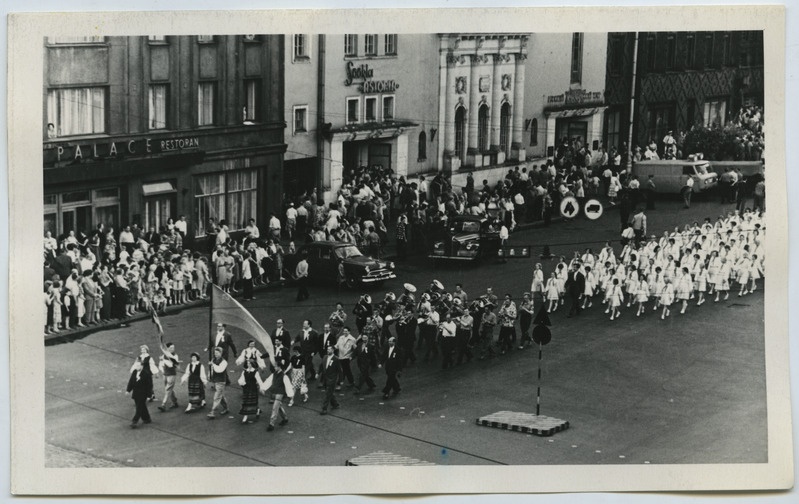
column 632, row 107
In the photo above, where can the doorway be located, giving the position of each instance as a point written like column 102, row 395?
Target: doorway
column 380, row 154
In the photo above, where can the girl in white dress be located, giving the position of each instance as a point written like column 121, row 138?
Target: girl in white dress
column 590, row 282
column 744, row 267
column 607, row 286
column 615, row 299
column 552, row 293
column 713, row 271
column 666, row 298
column 642, row 294
column 656, row 285
column 561, row 273
column 631, row 286
column 684, row 286
column 588, row 258
column 724, row 280
column 700, row 282
column 756, row 272
column 538, row 281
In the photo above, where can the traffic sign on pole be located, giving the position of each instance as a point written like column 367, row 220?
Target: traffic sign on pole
column 569, row 207
column 593, row 209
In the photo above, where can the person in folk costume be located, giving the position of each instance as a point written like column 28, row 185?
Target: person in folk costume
column 140, row 385
column 666, row 297
column 700, row 281
column 526, row 314
column 251, row 383
column 642, row 294
column 615, row 299
column 279, row 385
column 298, row 374
column 219, row 379
column 195, row 375
column 723, row 284
column 253, row 354
column 590, row 286
column 537, row 285
column 552, row 292
column 168, row 364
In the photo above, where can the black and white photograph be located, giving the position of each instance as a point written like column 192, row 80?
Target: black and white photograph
column 482, row 247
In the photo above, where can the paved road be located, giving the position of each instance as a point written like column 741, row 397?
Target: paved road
column 690, row 389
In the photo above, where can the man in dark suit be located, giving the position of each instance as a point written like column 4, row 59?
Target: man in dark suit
column 575, row 286
column 223, row 340
column 392, row 361
column 327, row 338
column 366, row 360
column 152, row 237
column 281, row 334
column 308, row 339
column 331, row 370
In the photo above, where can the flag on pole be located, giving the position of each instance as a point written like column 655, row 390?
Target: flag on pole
column 226, row 310
column 159, row 330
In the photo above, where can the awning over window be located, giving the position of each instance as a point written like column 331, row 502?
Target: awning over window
column 155, row 188
column 575, row 112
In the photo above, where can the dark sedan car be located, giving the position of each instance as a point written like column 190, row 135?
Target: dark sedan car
column 324, row 258
column 467, row 238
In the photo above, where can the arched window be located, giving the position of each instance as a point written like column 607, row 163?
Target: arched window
column 534, row 132
column 460, row 131
column 482, row 128
column 504, row 126
column 422, row 146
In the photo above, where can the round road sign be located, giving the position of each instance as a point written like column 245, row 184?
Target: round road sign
column 541, row 334
column 569, row 207
column 593, row 209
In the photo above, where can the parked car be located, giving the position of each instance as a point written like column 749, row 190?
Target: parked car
column 670, row 175
column 467, row 238
column 324, row 258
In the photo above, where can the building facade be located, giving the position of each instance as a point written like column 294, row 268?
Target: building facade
column 682, row 79
column 565, row 91
column 481, row 99
column 143, row 129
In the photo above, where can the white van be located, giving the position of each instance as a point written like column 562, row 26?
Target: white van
column 670, row 175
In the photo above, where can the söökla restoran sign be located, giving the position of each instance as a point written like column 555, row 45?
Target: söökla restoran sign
column 367, row 85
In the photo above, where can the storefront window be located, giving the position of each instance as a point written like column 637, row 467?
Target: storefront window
column 77, row 111
column 715, row 113
column 230, row 196
column 209, row 199
column 81, row 210
column 241, row 197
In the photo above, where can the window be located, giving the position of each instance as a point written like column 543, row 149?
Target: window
column 301, row 47
column 651, row 46
column 76, row 40
column 715, row 113
column 388, row 108
column 671, row 51
column 156, row 38
column 534, row 132
column 726, row 50
column 353, row 110
column 81, row 211
column 690, row 51
column 709, row 50
column 482, row 128
column 612, row 129
column 205, row 103
column 301, row 119
column 422, row 146
column 691, row 112
column 205, row 39
column 460, row 131
column 661, row 120
column 350, row 45
column 158, row 106
column 577, row 58
column 391, row 44
column 230, row 196
column 252, row 93
column 370, row 45
column 77, row 111
column 504, row 127
column 371, row 108
column 616, row 54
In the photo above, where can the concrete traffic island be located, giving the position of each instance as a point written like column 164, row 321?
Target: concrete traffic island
column 382, row 458
column 526, row 423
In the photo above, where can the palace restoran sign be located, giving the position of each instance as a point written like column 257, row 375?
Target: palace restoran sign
column 367, row 85
column 77, row 151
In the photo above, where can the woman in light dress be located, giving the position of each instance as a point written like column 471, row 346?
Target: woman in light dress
column 615, row 296
column 666, row 298
column 590, row 286
column 642, row 294
column 552, row 292
column 684, row 285
column 538, row 281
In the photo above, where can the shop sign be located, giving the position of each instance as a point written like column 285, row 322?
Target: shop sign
column 576, row 97
column 367, row 85
column 78, row 152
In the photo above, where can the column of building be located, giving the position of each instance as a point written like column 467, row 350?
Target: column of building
column 496, row 104
column 473, row 156
column 449, row 115
column 517, row 146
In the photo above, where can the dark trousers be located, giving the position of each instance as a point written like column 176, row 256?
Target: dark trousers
column 525, row 320
column 247, row 288
column 309, row 371
column 346, row 371
column 402, row 249
column 447, row 351
column 364, row 377
column 330, row 397
column 507, row 336
column 141, row 409
column 462, row 344
column 574, row 309
column 405, row 335
column 302, row 289
column 392, row 384
column 430, row 341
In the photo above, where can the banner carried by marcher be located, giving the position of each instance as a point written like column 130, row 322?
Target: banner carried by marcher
column 226, row 310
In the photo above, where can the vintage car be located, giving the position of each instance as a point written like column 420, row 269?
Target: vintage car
column 467, row 238
column 324, row 257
